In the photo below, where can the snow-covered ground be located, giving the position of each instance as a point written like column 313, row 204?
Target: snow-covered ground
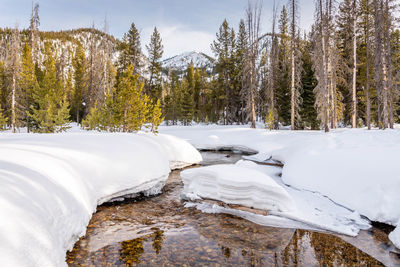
column 356, row 169
column 50, row 185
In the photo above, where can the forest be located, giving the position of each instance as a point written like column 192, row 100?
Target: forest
column 344, row 72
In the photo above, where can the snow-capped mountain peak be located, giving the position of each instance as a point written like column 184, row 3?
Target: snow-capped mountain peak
column 181, row 62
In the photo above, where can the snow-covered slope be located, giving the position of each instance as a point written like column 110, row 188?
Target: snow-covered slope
column 50, row 185
column 182, row 61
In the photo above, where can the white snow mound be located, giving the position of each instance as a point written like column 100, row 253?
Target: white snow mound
column 50, row 185
column 238, row 185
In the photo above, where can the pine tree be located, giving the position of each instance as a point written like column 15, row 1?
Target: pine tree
column 50, row 111
column 156, row 117
column 155, row 50
column 307, row 108
column 3, row 120
column 238, row 74
column 186, row 105
column 223, row 48
column 80, row 82
column 133, row 107
column 27, row 82
column 93, row 120
column 130, row 51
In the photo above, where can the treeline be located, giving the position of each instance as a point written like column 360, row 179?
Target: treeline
column 344, row 72
column 48, row 80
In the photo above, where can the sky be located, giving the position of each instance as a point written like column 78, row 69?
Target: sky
column 185, row 25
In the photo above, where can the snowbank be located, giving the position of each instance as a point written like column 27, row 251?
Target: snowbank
column 179, row 152
column 395, row 237
column 260, row 187
column 238, row 185
column 51, row 184
column 355, row 168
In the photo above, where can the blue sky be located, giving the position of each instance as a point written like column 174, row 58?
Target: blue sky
column 185, row 25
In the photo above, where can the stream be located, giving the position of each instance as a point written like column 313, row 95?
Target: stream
column 160, row 231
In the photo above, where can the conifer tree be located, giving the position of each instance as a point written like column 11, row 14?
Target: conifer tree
column 239, row 65
column 283, row 76
column 93, row 120
column 3, row 120
column 156, row 117
column 223, row 48
column 130, row 51
column 50, row 111
column 80, row 82
column 27, row 82
column 132, row 107
column 155, row 50
column 186, row 105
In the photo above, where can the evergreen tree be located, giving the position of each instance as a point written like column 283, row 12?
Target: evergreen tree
column 80, row 82
column 155, row 50
column 130, row 51
column 50, row 112
column 27, row 82
column 223, row 48
column 238, row 73
column 307, row 108
column 3, row 120
column 186, row 106
column 283, row 79
column 93, row 120
column 156, row 117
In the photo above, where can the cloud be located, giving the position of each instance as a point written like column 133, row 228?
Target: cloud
column 178, row 39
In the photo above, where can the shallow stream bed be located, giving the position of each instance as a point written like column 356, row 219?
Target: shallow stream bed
column 160, row 231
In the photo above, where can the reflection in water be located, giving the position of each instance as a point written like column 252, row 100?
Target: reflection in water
column 159, row 231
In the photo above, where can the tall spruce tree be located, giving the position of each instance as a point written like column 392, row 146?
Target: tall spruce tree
column 223, row 48
column 131, row 51
column 155, row 50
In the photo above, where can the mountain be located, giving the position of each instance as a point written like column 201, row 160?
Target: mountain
column 182, row 61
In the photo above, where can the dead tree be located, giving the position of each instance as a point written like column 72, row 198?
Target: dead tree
column 253, row 14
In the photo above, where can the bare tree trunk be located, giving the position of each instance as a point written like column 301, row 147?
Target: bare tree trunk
column 367, row 86
column 13, row 103
column 253, row 27
column 389, row 64
column 324, row 63
column 293, row 88
column 354, row 89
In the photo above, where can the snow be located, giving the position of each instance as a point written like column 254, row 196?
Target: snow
column 354, row 168
column 234, row 184
column 260, row 187
column 179, row 152
column 182, row 61
column 395, row 236
column 51, row 184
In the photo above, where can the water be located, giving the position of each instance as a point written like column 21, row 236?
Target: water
column 159, row 231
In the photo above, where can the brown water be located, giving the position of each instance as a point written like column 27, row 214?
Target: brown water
column 160, row 231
